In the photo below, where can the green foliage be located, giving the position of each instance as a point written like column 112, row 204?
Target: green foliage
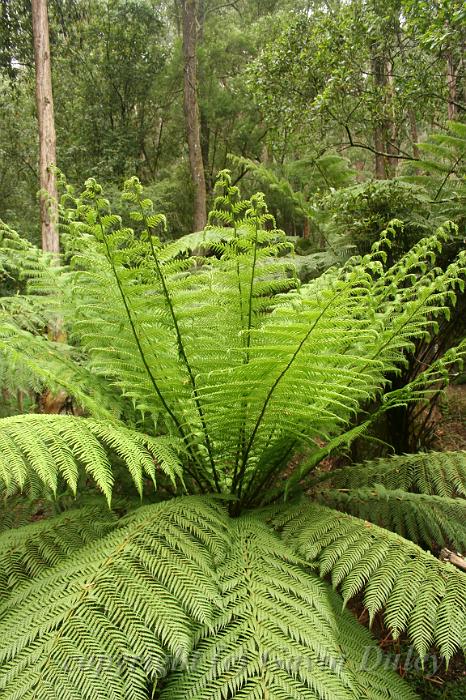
column 207, row 364
column 418, row 592
column 29, row 550
column 441, row 171
column 360, row 213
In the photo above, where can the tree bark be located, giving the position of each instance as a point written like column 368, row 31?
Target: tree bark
column 191, row 112
column 45, row 116
column 379, row 140
column 452, row 87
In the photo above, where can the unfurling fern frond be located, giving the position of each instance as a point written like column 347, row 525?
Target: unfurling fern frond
column 418, row 593
column 116, row 614
column 46, row 448
column 276, row 634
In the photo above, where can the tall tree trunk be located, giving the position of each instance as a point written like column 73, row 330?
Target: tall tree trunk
column 45, row 116
column 413, row 131
column 452, row 87
column 191, row 112
column 377, row 67
column 391, row 123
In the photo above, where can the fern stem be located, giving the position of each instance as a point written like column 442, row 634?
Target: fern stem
column 242, row 435
column 184, row 357
column 274, row 386
column 143, row 357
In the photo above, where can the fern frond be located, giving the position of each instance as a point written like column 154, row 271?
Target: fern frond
column 49, row 447
column 276, row 634
column 419, row 593
column 424, row 519
column 27, row 551
column 105, row 621
column 434, row 473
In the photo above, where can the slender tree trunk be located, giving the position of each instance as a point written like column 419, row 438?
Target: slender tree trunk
column 191, row 112
column 452, row 87
column 414, row 134
column 391, row 124
column 379, row 140
column 45, row 116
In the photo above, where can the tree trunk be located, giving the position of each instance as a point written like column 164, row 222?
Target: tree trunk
column 191, row 112
column 414, row 134
column 45, row 116
column 379, row 140
column 391, row 124
column 452, row 87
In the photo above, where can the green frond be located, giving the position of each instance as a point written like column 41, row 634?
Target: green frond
column 27, row 551
column 105, row 621
column 424, row 519
column 434, row 473
column 52, row 447
column 278, row 634
column 211, row 349
column 419, row 593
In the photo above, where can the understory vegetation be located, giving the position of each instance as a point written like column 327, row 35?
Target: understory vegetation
column 232, row 344
column 206, row 367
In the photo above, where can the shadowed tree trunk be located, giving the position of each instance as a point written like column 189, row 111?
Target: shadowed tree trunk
column 45, row 116
column 191, row 111
column 379, row 141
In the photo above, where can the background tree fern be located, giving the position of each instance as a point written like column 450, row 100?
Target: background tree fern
column 218, row 374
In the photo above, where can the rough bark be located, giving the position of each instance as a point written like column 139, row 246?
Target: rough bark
column 45, row 116
column 191, row 111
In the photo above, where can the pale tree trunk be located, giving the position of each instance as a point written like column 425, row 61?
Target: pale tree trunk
column 392, row 127
column 191, row 112
column 414, row 134
column 452, row 87
column 45, row 116
column 47, row 401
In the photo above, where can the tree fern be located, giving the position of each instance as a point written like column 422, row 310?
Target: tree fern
column 50, row 447
column 116, row 612
column 422, row 518
column 419, row 594
column 435, row 473
column 226, row 375
column 27, row 551
column 441, row 169
column 276, row 633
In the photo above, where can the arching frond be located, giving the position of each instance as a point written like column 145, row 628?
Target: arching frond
column 425, row 519
column 276, row 634
column 27, row 551
column 435, row 473
column 102, row 623
column 419, row 593
column 50, row 447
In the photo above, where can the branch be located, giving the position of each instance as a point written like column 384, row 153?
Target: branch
column 398, row 155
column 455, row 559
column 233, row 4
